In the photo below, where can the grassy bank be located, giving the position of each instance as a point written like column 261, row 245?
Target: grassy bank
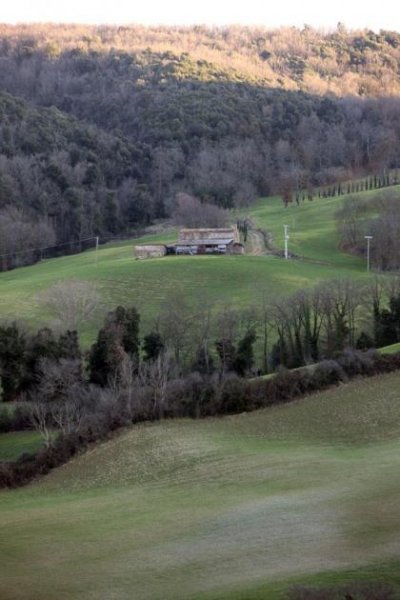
column 392, row 349
column 15, row 443
column 230, row 507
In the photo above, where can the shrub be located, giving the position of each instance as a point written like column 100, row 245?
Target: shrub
column 387, row 363
column 329, row 372
column 285, row 386
column 355, row 362
column 234, row 396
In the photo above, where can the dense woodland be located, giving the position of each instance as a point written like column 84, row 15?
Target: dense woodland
column 101, row 127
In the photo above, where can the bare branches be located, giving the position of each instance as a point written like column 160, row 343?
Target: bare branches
column 56, row 402
column 57, row 379
column 40, row 419
column 72, row 302
column 68, row 415
column 190, row 212
column 156, row 375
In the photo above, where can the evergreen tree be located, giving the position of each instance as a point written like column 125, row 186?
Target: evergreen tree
column 227, row 354
column 152, row 345
column 118, row 338
column 279, row 354
column 130, row 339
column 42, row 345
column 364, row 341
column 244, row 358
column 387, row 323
column 68, row 346
column 12, row 360
column 203, row 363
column 100, row 364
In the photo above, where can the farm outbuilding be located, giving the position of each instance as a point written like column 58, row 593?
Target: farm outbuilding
column 150, row 251
column 196, row 241
column 208, row 241
column 236, row 248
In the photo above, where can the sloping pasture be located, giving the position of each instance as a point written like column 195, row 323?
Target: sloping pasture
column 234, row 507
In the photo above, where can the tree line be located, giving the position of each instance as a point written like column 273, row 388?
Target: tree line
column 74, row 399
column 309, row 326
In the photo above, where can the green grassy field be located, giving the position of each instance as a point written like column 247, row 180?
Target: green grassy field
column 234, row 507
column 15, row 443
column 312, row 228
column 238, row 280
column 231, row 508
column 392, row 349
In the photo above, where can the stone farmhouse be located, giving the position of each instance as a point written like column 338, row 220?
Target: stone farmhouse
column 224, row 240
column 209, row 241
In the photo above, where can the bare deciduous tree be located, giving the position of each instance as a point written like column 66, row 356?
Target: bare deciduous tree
column 72, row 302
column 20, row 238
column 68, row 415
column 202, row 334
column 190, row 212
column 40, row 419
column 57, row 379
column 175, row 325
column 156, row 375
column 56, row 401
column 265, row 320
column 340, row 300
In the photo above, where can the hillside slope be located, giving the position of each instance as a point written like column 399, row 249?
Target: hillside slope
column 235, row 507
column 218, row 280
column 225, row 114
column 65, row 173
column 339, row 62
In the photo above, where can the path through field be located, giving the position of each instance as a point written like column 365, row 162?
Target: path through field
column 255, row 243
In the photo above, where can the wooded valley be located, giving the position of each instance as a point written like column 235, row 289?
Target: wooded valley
column 101, row 127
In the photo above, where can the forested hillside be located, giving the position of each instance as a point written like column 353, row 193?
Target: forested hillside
column 101, row 127
column 60, row 179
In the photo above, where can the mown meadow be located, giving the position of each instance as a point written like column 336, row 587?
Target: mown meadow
column 236, row 507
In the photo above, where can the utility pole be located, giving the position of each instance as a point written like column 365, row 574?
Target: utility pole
column 368, row 238
column 286, row 236
column 97, row 250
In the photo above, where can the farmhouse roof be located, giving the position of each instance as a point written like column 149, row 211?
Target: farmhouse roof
column 211, row 234
column 205, row 242
column 207, row 229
